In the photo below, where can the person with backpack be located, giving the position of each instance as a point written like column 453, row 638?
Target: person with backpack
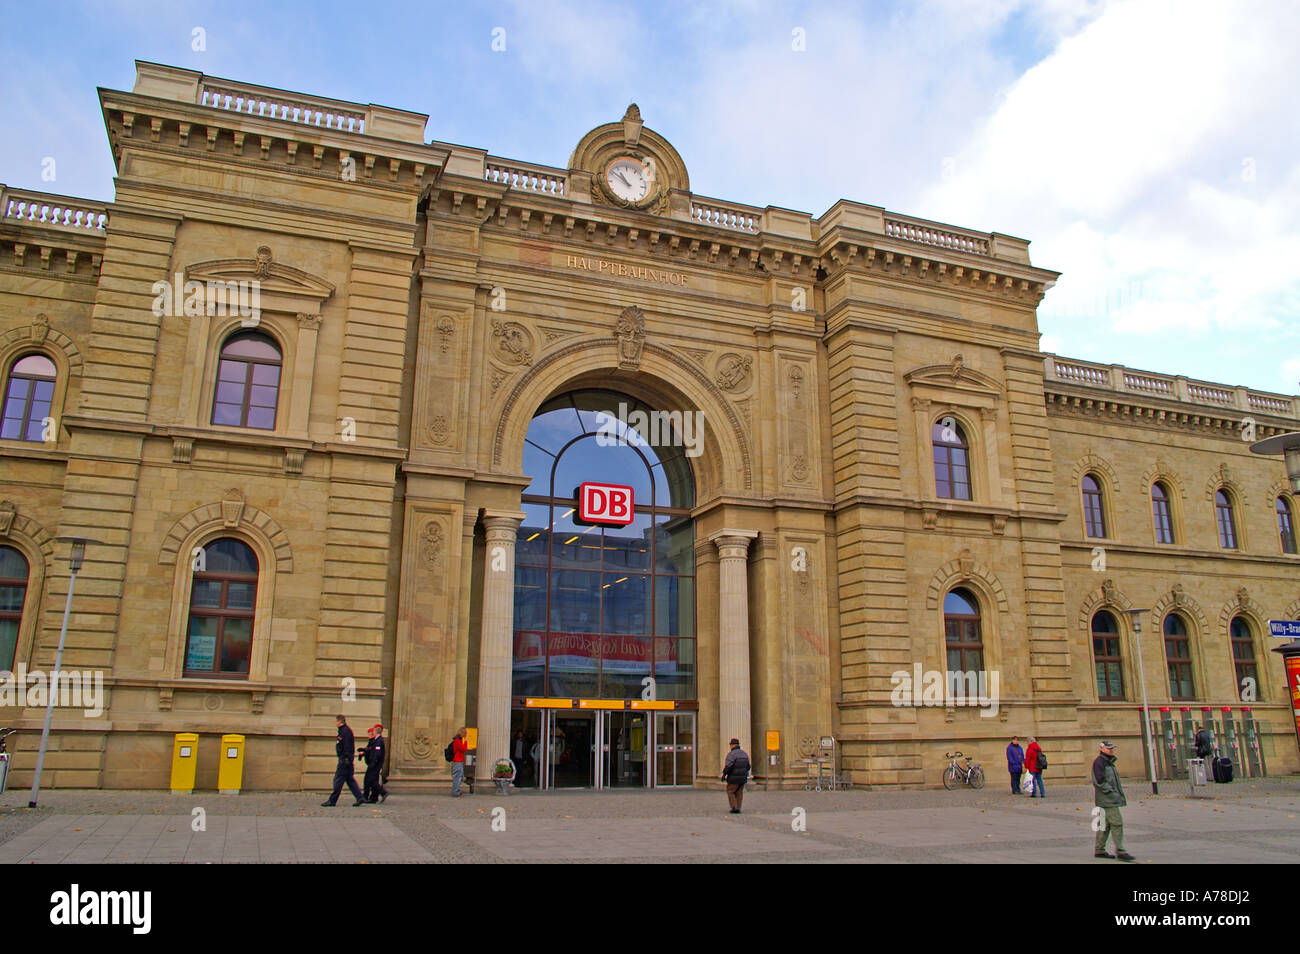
column 1035, row 762
column 735, row 772
column 1015, row 763
column 1108, row 795
column 455, row 754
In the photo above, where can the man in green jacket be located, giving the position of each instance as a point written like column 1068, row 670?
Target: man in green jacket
column 1108, row 796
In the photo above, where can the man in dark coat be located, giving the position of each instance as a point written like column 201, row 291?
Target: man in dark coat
column 373, row 754
column 735, row 772
column 1108, row 795
column 1015, row 763
column 345, row 747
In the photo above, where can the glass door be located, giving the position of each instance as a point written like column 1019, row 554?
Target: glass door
column 525, row 746
column 624, row 763
column 674, row 749
column 571, row 761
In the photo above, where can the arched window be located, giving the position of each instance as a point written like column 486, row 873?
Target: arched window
column 1243, row 659
column 1285, row 526
column 1227, row 524
column 1106, row 656
column 951, row 460
column 1178, row 658
column 1160, row 511
column 599, row 608
column 961, row 628
column 28, row 398
column 13, row 589
column 248, row 382
column 1094, row 517
column 219, row 641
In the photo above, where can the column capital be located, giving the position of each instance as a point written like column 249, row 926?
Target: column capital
column 732, row 544
column 501, row 525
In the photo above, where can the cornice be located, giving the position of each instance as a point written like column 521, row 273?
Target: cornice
column 1065, row 400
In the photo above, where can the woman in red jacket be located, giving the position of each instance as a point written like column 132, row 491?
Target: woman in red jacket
column 1032, row 755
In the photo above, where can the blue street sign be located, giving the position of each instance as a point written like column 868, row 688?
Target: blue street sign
column 1286, row 628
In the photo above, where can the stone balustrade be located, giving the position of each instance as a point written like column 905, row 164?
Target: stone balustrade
column 929, row 233
column 1173, row 387
column 726, row 215
column 526, row 176
column 52, row 211
column 273, row 104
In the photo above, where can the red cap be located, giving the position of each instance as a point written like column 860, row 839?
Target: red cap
column 375, row 726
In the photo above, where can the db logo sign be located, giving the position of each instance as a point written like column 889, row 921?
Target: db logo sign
column 605, row 503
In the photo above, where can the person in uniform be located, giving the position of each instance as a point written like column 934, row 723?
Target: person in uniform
column 345, row 747
column 374, row 752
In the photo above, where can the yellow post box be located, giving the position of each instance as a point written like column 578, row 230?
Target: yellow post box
column 230, row 776
column 185, row 762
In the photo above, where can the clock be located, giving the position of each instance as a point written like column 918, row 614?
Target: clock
column 630, row 180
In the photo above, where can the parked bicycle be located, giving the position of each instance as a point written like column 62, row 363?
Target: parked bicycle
column 963, row 771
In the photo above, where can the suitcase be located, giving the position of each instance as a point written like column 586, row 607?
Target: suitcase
column 1222, row 768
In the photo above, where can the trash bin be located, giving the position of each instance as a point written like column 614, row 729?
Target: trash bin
column 230, row 775
column 185, row 762
column 1196, row 774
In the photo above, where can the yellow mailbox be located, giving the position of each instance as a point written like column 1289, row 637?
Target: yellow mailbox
column 230, row 776
column 185, row 762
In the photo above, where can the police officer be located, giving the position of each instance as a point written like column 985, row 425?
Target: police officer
column 374, row 753
column 345, row 748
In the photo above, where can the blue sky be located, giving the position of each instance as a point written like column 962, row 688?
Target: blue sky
column 1148, row 148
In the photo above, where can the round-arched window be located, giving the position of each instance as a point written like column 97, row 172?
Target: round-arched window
column 248, row 382
column 951, row 460
column 222, row 600
column 1178, row 658
column 13, row 590
column 1106, row 656
column 29, row 396
column 599, row 608
column 961, row 626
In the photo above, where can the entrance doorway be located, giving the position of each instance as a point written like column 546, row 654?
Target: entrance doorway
column 674, row 749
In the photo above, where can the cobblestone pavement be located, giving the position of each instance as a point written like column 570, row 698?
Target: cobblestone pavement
column 1246, row 822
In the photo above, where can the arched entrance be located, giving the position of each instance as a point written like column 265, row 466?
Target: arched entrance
column 603, row 673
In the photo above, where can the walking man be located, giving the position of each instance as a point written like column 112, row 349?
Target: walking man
column 458, row 748
column 345, row 747
column 374, row 753
column 1109, row 796
column 735, row 772
column 1015, row 763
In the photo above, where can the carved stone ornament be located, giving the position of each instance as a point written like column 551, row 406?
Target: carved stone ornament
column 966, row 560
column 420, row 746
column 733, row 372
column 40, row 328
column 630, row 332
column 232, row 507
column 1180, row 597
column 438, row 429
column 929, row 518
column 1243, row 596
column 514, row 345
column 446, row 327
column 799, row 468
column 262, row 263
column 7, row 511
column 795, row 378
column 1109, row 593
column 431, row 538
column 956, row 366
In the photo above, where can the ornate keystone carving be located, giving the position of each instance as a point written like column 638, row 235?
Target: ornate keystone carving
column 7, row 512
column 630, row 332
column 232, row 507
column 262, row 262
column 40, row 328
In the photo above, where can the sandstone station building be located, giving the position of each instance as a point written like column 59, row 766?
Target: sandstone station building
column 329, row 395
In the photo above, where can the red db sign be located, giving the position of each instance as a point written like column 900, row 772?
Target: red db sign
column 605, row 503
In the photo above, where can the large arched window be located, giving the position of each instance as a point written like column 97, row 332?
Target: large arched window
column 1094, row 517
column 219, row 640
column 599, row 608
column 29, row 395
column 1106, row 656
column 248, row 382
column 961, row 629
column 1243, row 660
column 1224, row 517
column 1285, row 525
column 13, row 589
column 1161, row 513
column 1178, row 658
column 951, row 460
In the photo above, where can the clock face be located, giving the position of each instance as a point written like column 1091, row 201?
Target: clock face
column 628, row 179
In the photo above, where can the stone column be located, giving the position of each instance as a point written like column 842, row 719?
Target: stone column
column 733, row 636
column 496, row 647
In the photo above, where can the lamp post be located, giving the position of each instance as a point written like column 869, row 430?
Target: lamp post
column 1135, row 617
column 1288, row 445
column 74, row 561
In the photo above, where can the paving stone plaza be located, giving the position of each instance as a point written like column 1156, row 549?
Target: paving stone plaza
column 1244, row 823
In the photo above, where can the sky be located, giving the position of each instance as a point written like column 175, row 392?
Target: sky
column 1148, row 149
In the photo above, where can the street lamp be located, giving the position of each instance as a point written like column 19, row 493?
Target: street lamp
column 1288, row 445
column 1135, row 617
column 74, row 561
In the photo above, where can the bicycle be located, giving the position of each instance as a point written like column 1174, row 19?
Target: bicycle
column 972, row 775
